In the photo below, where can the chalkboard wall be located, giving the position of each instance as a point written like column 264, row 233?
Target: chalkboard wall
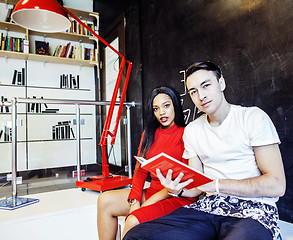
column 250, row 40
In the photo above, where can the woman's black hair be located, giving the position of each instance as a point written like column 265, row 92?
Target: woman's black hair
column 151, row 122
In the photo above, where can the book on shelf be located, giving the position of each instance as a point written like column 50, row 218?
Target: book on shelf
column 19, row 77
column 23, row 77
column 2, row 100
column 164, row 162
column 14, row 77
column 51, row 110
column 42, row 47
column 61, row 130
column 76, row 52
column 8, row 15
column 2, row 41
column 77, row 28
column 26, row 45
column 68, row 47
column 12, row 44
column 55, row 52
column 6, row 107
column 19, row 80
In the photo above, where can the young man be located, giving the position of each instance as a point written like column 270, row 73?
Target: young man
column 237, row 147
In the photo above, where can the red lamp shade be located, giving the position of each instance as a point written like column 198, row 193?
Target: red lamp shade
column 41, row 15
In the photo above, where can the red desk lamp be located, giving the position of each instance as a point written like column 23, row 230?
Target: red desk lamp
column 50, row 16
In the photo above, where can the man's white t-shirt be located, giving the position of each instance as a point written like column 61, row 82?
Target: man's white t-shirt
column 226, row 151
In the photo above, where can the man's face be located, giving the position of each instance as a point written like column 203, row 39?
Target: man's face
column 205, row 90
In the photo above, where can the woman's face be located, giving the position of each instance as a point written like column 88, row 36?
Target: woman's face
column 164, row 110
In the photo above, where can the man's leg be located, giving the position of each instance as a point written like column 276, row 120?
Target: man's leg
column 183, row 224
column 243, row 229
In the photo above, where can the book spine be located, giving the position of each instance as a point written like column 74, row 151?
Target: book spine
column 19, row 81
column 23, row 76
column 14, row 77
column 6, row 107
column 26, row 46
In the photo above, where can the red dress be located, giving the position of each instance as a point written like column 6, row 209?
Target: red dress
column 168, row 141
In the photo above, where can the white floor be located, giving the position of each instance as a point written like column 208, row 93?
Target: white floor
column 64, row 215
column 67, row 214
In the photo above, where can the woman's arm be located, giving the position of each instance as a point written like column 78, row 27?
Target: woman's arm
column 138, row 181
column 161, row 195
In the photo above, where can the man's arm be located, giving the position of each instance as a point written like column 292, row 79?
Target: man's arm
column 271, row 183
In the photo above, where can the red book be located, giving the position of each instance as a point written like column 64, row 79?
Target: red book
column 164, row 162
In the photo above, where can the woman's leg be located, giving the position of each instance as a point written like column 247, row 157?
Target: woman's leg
column 130, row 222
column 156, row 210
column 110, row 205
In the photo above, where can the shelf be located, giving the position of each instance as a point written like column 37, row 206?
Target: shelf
column 45, row 58
column 12, row 2
column 84, row 15
column 54, row 88
column 54, row 114
column 12, row 27
column 49, row 114
column 65, row 36
column 56, row 140
column 48, row 140
column 16, row 60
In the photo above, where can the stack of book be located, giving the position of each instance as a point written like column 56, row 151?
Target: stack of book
column 76, row 52
column 5, row 134
column 12, row 44
column 37, row 108
column 19, row 77
column 78, row 29
column 4, row 108
column 69, row 81
column 62, row 131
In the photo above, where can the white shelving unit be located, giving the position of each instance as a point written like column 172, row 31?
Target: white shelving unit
column 36, row 147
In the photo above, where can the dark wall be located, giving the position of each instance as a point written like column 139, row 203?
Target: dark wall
column 251, row 41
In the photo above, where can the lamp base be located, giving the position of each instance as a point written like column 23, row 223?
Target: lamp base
column 100, row 183
column 12, row 203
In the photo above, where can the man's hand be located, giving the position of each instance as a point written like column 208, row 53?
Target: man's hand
column 172, row 186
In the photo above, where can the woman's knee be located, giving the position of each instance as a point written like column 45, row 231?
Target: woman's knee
column 104, row 200
column 114, row 202
column 132, row 221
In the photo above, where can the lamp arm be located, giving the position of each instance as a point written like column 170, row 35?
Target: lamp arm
column 118, row 81
column 92, row 32
column 106, row 132
column 121, row 101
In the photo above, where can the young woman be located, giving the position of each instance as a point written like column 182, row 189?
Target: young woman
column 164, row 126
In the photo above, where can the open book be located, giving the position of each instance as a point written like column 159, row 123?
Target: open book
column 164, row 162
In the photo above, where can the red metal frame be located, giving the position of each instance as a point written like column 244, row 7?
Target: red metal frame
column 102, row 184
